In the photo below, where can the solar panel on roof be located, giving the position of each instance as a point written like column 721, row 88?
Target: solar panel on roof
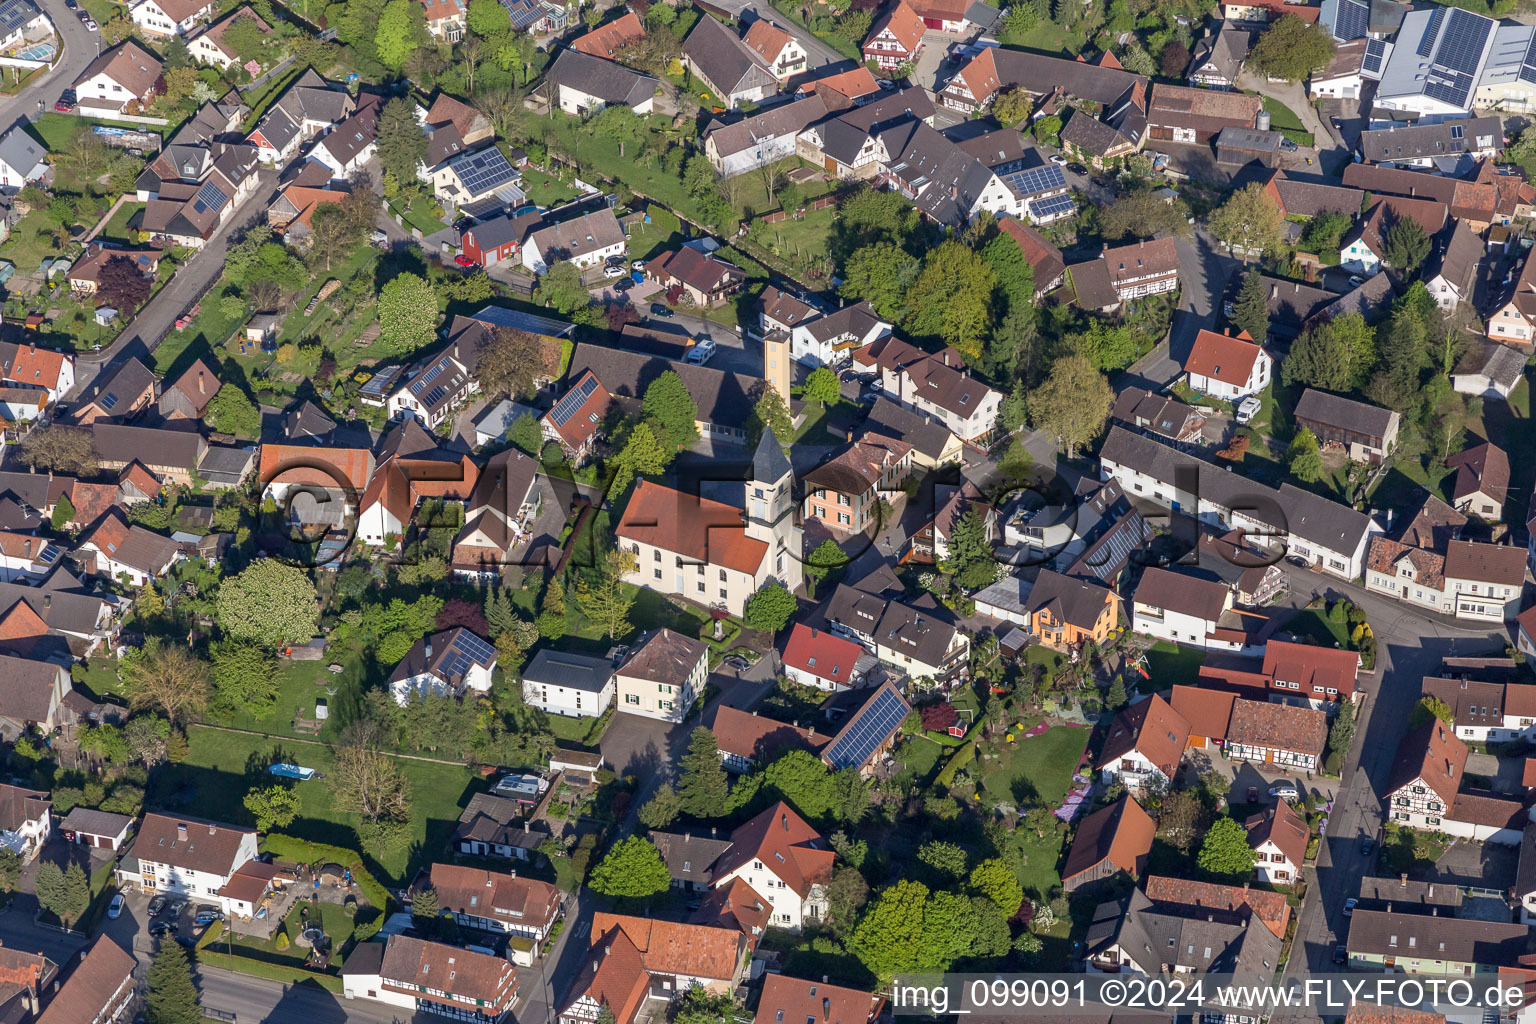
column 870, row 728
column 109, row 400
column 1528, row 67
column 1352, row 21
column 434, row 396
column 1055, row 206
column 474, row 648
column 1431, row 31
column 212, row 195
column 1461, row 46
column 532, row 323
column 1375, row 53
column 1036, row 179
column 485, row 171
column 573, row 400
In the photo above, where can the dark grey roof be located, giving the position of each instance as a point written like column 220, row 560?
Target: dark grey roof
column 96, row 823
column 893, row 106
column 1448, row 939
column 917, row 634
column 225, row 464
column 564, row 668
column 1425, row 141
column 724, row 399
column 891, row 420
column 118, row 442
column 20, row 151
column 768, row 462
column 983, row 16
column 1248, row 140
column 1368, row 298
column 66, row 609
column 786, row 119
column 950, row 179
column 130, row 379
column 1204, row 943
column 1344, row 413
column 1078, row 602
column 1407, row 895
column 307, row 420
column 1499, row 363
column 1315, row 518
column 855, row 609
column 726, row 63
column 690, row 858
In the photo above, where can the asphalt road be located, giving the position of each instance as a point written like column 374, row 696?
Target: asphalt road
column 81, row 46
column 257, row 999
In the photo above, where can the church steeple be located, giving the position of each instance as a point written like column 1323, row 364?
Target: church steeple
column 770, row 505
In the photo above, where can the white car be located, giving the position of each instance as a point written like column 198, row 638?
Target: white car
column 1355, row 280
column 1059, row 160
column 637, row 265
column 115, row 908
column 612, row 271
column 1285, row 792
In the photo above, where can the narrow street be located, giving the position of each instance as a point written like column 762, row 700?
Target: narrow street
column 81, row 46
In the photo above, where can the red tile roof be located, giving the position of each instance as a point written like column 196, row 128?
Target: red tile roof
column 1151, row 728
column 821, row 653
column 1270, row 908
column 303, row 464
column 903, row 23
column 1311, row 665
column 607, row 40
column 781, row 839
column 1262, row 723
column 670, row 947
column 759, row 738
column 707, row 531
column 1206, row 711
column 787, row 1000
column 766, row 39
column 1223, row 357
column 616, row 978
column 1282, row 826
column 1120, row 834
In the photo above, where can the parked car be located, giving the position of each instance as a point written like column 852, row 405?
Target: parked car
column 1285, row 791
column 1340, row 953
column 1059, row 160
column 1369, row 846
column 614, row 271
column 378, row 237
column 1077, row 168
column 72, row 4
column 115, row 908
column 66, row 102
column 624, row 285
column 657, row 309
column 637, row 265
column 161, row 929
column 1298, row 561
column 1288, row 145
column 1253, row 794
column 90, row 23
column 156, row 906
column 207, row 914
column 463, row 261
column 1349, row 906
column 1355, row 280
column 1337, row 122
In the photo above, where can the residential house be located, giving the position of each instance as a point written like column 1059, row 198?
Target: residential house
column 933, row 444
column 499, row 239
column 762, row 137
column 608, row 39
column 1162, row 416
column 725, row 399
column 831, row 339
column 188, row 396
column 23, row 21
column 1111, row 841
column 193, row 857
column 34, row 698
column 100, row 830
column 306, row 108
column 495, row 826
column 1424, row 145
column 208, row 46
column 1125, row 273
column 690, row 859
column 425, row 977
column 730, row 69
column 1305, row 675
column 776, row 48
column 26, row 821
column 292, row 210
column 1427, row 790
column 1189, row 609
column 661, row 676
column 1228, row 367
column 1468, row 580
column 1217, row 59
column 120, row 80
column 474, row 177
column 411, row 467
column 935, row 385
column 707, row 551
column 1364, row 246
column 1261, row 12
column 634, row 959
column 949, row 186
column 449, row 663
column 569, row 684
column 779, row 855
column 1486, row 712
column 582, row 84
column 1132, row 935
column 585, row 240
column 25, row 558
column 22, row 159
column 576, row 420
column 170, row 17
column 1367, row 433
column 1512, row 316
column 1353, row 64
column 1279, row 838
column 870, row 728
column 100, row 990
column 1482, row 481
column 1065, row 612
column 118, row 551
column 1420, row 944
column 747, row 740
column 1145, row 744
column 446, row 19
column 822, row 659
column 1179, row 113
column 1485, row 197
column 692, row 277
column 347, row 148
column 314, row 485
column 1045, row 260
column 1489, row 371
column 791, row 999
column 26, row 366
column 497, row 902
column 895, row 37
column 929, row 542
column 856, row 85
column 844, row 493
column 1453, row 274
column 1289, row 738
column 1268, row 908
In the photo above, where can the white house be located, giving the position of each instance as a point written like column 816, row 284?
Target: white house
column 1228, row 367
column 821, row 659
column 424, row 978
column 582, row 85
column 26, row 820
column 170, row 17
column 28, row 366
column 348, row 147
column 1145, row 745
column 1486, row 712
column 1364, row 246
column 1185, row 609
column 779, row 855
column 495, row 901
column 191, row 857
column 130, row 552
column 564, row 683
column 126, row 74
column 937, row 386
column 449, row 663
column 1426, row 791
column 662, row 676
column 832, row 338
column 1471, row 580
column 25, row 558
column 22, row 159
column 1279, row 839
column 587, row 241
column 778, row 49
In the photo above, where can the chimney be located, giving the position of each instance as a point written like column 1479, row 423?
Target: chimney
column 1389, row 906
column 47, row 601
column 811, row 730
column 1245, row 887
column 754, row 712
column 202, row 386
column 525, row 826
column 823, row 979
column 181, row 832
column 1402, row 879
column 429, row 648
column 1431, row 890
column 712, row 831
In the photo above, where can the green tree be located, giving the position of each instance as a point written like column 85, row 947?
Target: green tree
column 63, row 512
column 1335, row 355
column 998, row 882
column 633, row 869
column 407, row 311
column 671, row 410
column 1225, row 853
column 1116, row 698
column 1291, row 49
column 770, row 413
column 1140, row 214
column 1012, row 105
column 48, row 885
column 402, row 146
column 947, row 860
column 488, row 18
column 827, row 558
column 245, row 679
column 910, row 928
column 268, row 602
column 1407, row 244
column 642, row 455
column 822, row 386
column 619, row 123
column 661, row 810
column 1073, row 403
column 425, row 906
column 10, row 868
column 551, row 621
column 800, row 778
column 166, row 678
column 525, row 435
column 1252, row 314
column 770, row 608
column 1325, row 232
column 1304, row 458
column 970, row 555
column 882, row 274
column 1011, row 270
column 1341, row 734
column 170, row 996
column 1249, row 222
column 703, row 787
column 608, row 601
column 1048, row 130
column 952, row 298
column 273, row 806
column 561, row 289
column 1430, row 708
column 232, row 412
column 1135, row 59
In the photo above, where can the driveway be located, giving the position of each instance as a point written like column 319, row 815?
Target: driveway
column 1331, row 153
column 1204, row 272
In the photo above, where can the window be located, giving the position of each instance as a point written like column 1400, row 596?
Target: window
column 722, row 594
column 701, row 586
column 657, row 573
column 630, row 698
column 722, row 576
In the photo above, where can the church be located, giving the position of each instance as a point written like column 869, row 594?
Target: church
column 713, row 553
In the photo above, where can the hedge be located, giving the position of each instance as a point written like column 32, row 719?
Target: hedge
column 210, row 934
column 272, row 972
column 964, row 756
column 304, row 851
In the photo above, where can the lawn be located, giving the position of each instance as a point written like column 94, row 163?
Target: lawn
column 419, row 216
column 117, row 229
column 56, row 130
column 331, row 917
column 920, row 756
column 584, row 731
column 664, row 231
column 300, row 685
column 1314, row 623
column 259, row 99
column 209, row 329
column 1285, row 121
column 1037, row 770
column 221, row 767
column 821, row 416
column 598, row 154
column 800, row 244
column 544, row 190
column 1045, row 37
column 1171, row 665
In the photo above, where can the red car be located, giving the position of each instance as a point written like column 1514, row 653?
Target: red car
column 463, row 261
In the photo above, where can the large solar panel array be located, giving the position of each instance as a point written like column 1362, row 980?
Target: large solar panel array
column 530, row 322
column 466, row 650
column 870, row 728
column 1352, row 20
column 1528, row 67
column 485, row 171
column 1055, row 206
column 210, row 197
column 1431, row 32
column 567, row 406
column 1458, row 55
column 1036, row 180
column 1375, row 55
